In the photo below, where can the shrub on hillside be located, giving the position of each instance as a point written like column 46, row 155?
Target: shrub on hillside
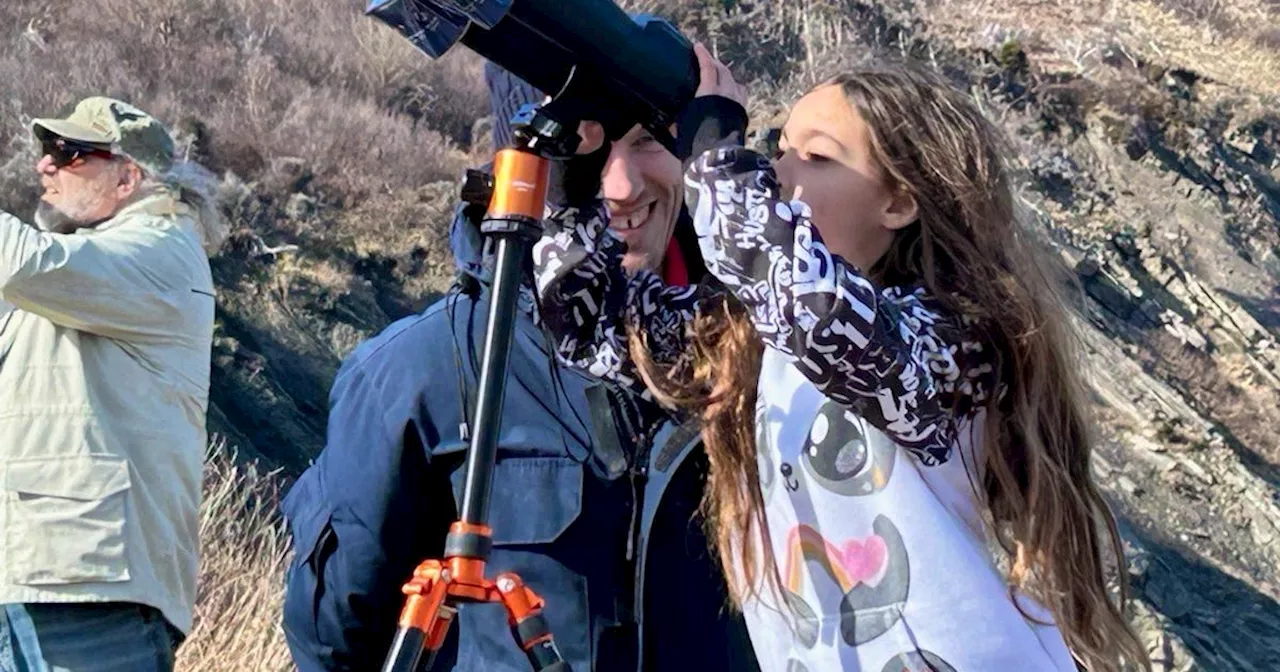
column 244, row 550
column 243, row 81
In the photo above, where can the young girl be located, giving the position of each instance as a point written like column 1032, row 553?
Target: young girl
column 883, row 373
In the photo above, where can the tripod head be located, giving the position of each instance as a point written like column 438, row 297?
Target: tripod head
column 548, row 130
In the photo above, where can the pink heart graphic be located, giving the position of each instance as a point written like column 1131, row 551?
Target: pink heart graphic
column 864, row 560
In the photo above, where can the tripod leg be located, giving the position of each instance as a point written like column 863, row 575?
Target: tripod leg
column 424, row 621
column 524, row 609
column 435, row 638
column 408, row 646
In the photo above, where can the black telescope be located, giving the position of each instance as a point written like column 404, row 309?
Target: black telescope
column 628, row 71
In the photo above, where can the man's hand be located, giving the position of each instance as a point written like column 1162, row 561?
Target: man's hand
column 715, row 78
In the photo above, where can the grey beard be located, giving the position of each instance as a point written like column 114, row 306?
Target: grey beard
column 51, row 219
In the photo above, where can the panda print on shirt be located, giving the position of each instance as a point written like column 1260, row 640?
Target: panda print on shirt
column 764, row 451
column 870, row 571
column 917, row 661
column 836, row 455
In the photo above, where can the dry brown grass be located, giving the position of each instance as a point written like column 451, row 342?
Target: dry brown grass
column 252, row 80
column 243, row 556
column 1226, row 388
column 1233, row 42
column 255, row 84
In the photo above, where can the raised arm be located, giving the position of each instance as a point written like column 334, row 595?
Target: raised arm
column 132, row 281
column 589, row 302
column 895, row 356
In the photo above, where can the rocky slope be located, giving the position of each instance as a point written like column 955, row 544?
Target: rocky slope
column 1149, row 135
column 1158, row 184
column 1161, row 191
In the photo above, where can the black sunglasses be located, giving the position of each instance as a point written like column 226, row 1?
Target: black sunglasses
column 66, row 152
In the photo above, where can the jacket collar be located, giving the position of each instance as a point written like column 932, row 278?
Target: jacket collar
column 160, row 204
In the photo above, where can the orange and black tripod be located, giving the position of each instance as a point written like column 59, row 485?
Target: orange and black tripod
column 516, row 197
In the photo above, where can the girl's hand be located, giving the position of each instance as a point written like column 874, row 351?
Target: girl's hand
column 715, row 78
column 591, row 134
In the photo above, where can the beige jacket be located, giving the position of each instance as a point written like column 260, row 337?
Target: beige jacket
column 104, row 383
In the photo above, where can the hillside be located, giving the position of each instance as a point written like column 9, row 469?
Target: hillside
column 1149, row 133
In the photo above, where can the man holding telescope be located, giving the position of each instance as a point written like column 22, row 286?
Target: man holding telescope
column 596, row 491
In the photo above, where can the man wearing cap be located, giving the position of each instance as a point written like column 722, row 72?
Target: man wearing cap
column 104, row 380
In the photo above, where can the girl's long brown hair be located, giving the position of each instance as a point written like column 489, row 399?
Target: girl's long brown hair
column 969, row 250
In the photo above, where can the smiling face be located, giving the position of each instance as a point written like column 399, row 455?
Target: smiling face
column 826, row 159
column 641, row 185
column 84, row 192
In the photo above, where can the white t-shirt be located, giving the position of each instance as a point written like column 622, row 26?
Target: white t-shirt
column 882, row 558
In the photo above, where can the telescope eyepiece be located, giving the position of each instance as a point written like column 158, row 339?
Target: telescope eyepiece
column 538, row 128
